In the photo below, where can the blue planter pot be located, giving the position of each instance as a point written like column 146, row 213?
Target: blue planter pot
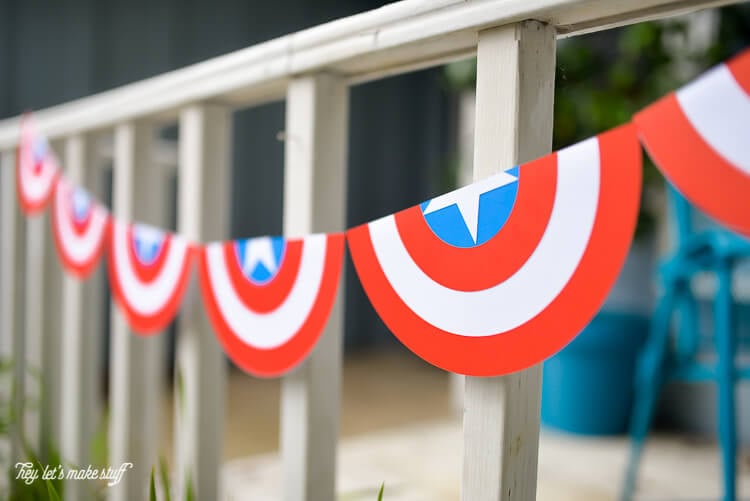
column 588, row 386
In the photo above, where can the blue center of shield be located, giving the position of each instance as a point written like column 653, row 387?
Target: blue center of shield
column 81, row 203
column 40, row 147
column 472, row 215
column 147, row 242
column 260, row 258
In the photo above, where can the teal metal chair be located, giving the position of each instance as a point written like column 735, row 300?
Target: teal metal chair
column 672, row 348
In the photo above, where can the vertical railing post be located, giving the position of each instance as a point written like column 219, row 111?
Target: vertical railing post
column 81, row 327
column 42, row 338
column 12, row 258
column 314, row 201
column 33, row 326
column 204, row 170
column 466, row 117
column 515, row 92
column 136, row 375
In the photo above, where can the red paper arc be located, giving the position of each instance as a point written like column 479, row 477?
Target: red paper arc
column 698, row 137
column 79, row 226
column 270, row 298
column 149, row 272
column 36, row 169
column 517, row 298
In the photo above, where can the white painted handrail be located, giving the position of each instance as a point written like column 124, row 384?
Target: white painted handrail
column 392, row 39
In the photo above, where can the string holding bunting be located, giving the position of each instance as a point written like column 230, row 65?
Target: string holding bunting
column 483, row 281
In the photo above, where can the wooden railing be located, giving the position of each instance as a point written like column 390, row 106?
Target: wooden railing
column 48, row 320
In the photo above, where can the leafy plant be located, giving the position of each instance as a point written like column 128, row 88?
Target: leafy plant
column 152, row 487
column 164, row 493
column 604, row 78
column 164, row 474
column 11, row 430
column 52, row 492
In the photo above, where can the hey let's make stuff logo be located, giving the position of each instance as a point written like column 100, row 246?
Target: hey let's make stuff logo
column 29, row 473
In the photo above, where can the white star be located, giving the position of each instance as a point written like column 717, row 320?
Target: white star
column 259, row 250
column 467, row 199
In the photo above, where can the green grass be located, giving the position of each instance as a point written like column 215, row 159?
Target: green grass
column 52, row 489
column 52, row 492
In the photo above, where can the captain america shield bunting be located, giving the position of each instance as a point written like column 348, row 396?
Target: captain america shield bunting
column 269, row 298
column 149, row 271
column 79, row 228
column 698, row 137
column 497, row 276
column 37, row 169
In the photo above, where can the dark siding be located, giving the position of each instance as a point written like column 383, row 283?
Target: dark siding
column 400, row 133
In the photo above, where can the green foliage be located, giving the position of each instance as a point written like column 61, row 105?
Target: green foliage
column 99, row 450
column 601, row 89
column 164, row 493
column 164, row 475
column 604, row 78
column 190, row 494
column 733, row 36
column 52, row 491
column 598, row 89
column 152, row 487
column 45, row 455
column 380, row 493
column 11, row 431
column 461, row 74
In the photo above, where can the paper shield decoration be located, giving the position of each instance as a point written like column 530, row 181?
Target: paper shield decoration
column 149, row 272
column 79, row 227
column 699, row 139
column 37, row 169
column 499, row 275
column 270, row 298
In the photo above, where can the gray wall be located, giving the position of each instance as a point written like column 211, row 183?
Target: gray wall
column 401, row 132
